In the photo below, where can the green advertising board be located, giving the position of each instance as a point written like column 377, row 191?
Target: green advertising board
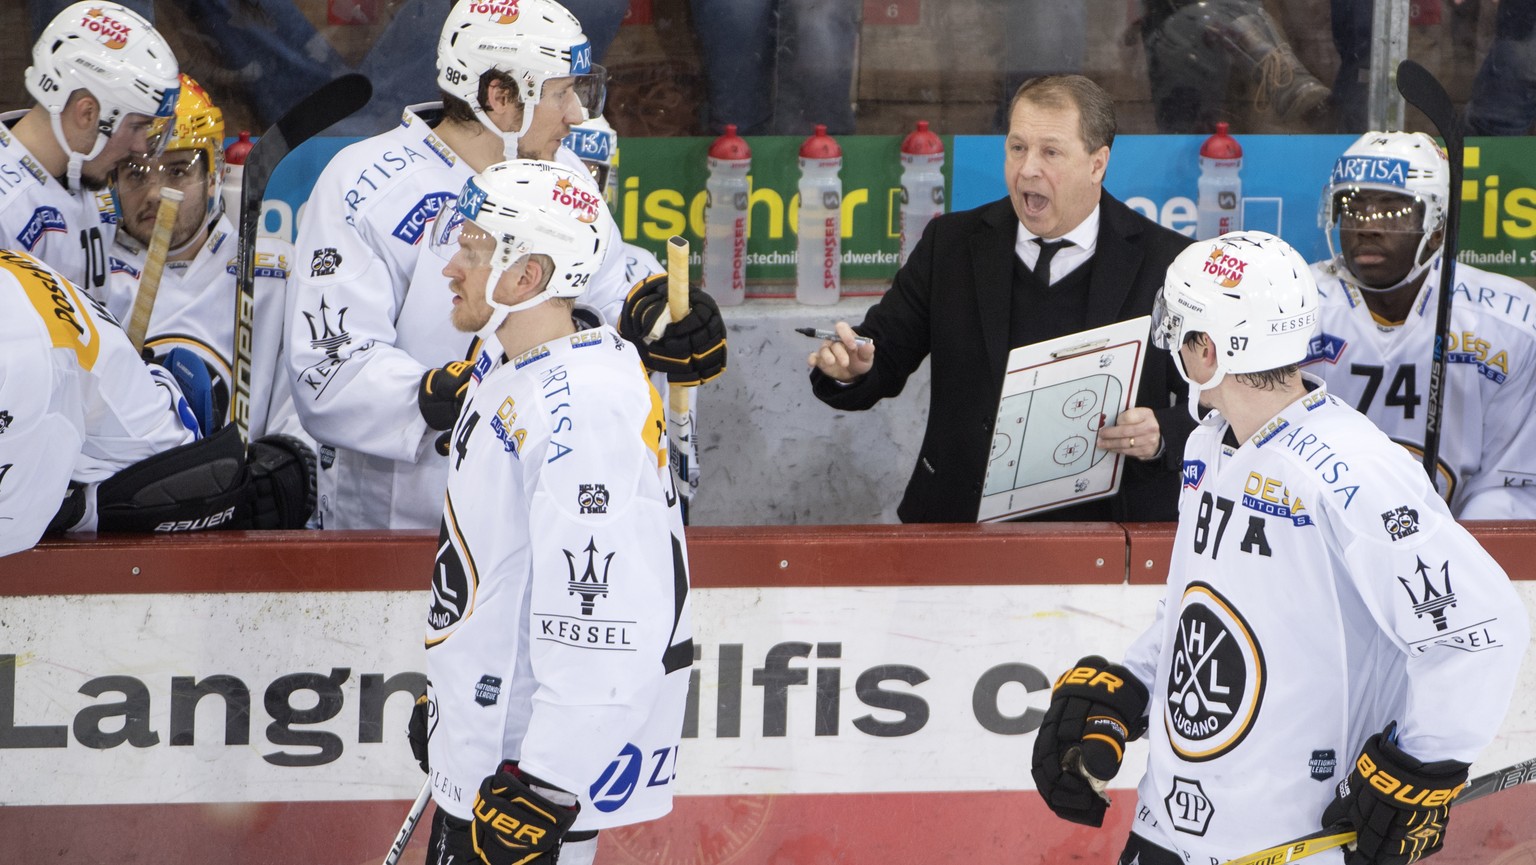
column 661, row 193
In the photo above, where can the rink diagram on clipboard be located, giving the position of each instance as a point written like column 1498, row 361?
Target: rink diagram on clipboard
column 1047, row 434
column 1055, row 397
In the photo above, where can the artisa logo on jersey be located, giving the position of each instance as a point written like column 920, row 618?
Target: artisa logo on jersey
column 1216, row 678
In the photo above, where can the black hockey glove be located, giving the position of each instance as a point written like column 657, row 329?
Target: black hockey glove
column 441, row 393
column 691, row 351
column 283, row 471
column 1398, row 805
column 418, row 731
column 516, row 824
column 1096, row 707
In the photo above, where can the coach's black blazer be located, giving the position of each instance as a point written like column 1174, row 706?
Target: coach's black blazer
column 952, row 303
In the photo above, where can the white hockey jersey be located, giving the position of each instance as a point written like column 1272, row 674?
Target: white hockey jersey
column 559, row 629
column 195, row 310
column 368, row 314
column 70, row 231
column 1318, row 590
column 76, row 403
column 1487, row 444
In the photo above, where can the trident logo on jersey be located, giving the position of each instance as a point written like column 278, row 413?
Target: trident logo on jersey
column 590, row 585
column 1431, row 600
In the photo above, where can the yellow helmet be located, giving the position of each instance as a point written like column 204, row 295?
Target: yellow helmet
column 199, row 125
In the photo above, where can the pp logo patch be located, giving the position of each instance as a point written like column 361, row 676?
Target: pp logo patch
column 1216, row 679
column 1323, row 764
column 1401, row 523
column 488, row 690
column 592, row 498
column 1188, row 807
column 324, row 262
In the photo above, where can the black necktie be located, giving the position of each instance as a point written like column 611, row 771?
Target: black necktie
column 1048, row 250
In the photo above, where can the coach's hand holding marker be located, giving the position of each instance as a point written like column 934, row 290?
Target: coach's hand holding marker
column 844, row 356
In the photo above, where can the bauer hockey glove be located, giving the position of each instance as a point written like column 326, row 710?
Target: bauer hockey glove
column 1399, row 806
column 691, row 351
column 441, row 393
column 1096, row 707
column 518, row 820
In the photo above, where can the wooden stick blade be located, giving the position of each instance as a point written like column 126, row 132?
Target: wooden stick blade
column 154, row 266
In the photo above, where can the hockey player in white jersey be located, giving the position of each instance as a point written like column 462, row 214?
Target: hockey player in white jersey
column 1329, row 631
column 1384, row 212
column 376, row 368
column 195, row 307
column 105, row 84
column 558, row 635
column 92, row 439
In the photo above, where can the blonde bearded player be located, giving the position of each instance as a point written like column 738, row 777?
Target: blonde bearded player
column 1327, row 625
column 376, row 369
column 558, row 636
column 104, row 83
column 1384, row 212
column 195, row 308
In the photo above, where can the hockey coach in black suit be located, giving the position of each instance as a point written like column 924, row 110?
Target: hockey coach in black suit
column 1057, row 256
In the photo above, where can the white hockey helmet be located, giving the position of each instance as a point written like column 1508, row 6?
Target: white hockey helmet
column 532, row 207
column 111, row 52
column 1250, row 292
column 597, row 146
column 534, row 41
column 1410, row 164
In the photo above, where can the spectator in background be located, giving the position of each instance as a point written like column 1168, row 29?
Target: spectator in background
column 1195, row 46
column 1503, row 98
column 1058, row 255
column 779, row 67
column 1384, row 207
column 1040, row 37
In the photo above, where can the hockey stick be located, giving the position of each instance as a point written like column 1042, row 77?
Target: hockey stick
column 154, row 266
column 1338, row 835
column 303, row 121
column 679, row 421
column 404, row 835
column 1423, row 92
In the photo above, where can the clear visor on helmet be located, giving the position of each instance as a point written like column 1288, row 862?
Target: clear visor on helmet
column 1358, row 209
column 1167, row 326
column 589, row 90
column 447, row 228
column 144, row 133
column 185, row 170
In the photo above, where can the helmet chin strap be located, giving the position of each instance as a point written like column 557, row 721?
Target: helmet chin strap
column 1195, row 388
column 499, row 310
column 76, row 160
column 509, row 140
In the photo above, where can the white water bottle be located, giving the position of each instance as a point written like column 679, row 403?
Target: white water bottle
column 725, row 218
column 1219, row 208
column 819, row 253
column 922, row 185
